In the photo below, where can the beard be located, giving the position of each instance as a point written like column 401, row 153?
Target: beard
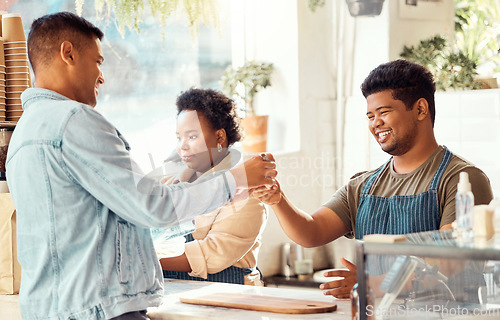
column 401, row 145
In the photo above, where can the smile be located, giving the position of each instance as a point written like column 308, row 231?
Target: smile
column 383, row 134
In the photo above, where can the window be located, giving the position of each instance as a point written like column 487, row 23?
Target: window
column 146, row 71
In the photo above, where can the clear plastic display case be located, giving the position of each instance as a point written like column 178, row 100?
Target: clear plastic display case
column 430, row 275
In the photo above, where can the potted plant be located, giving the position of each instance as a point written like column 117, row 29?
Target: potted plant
column 477, row 27
column 452, row 70
column 244, row 83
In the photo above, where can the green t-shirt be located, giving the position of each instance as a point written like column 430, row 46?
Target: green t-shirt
column 345, row 201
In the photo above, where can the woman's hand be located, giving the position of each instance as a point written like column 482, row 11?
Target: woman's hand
column 341, row 289
column 255, row 172
column 268, row 195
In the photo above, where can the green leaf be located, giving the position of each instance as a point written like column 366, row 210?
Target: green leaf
column 253, row 76
column 129, row 13
column 451, row 70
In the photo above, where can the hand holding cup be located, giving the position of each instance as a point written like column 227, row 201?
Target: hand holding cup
column 255, row 172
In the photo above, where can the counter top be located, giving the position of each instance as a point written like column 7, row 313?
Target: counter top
column 172, row 308
column 9, row 307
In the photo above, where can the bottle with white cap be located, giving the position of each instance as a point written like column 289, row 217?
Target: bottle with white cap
column 464, row 206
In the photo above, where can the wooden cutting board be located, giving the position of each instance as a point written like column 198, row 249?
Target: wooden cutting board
column 262, row 303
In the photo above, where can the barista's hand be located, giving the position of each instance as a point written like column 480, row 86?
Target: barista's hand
column 269, row 196
column 341, row 288
column 255, row 172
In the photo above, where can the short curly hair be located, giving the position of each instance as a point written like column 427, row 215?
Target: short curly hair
column 216, row 107
column 408, row 81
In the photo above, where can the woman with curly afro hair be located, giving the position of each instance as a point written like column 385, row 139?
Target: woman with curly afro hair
column 225, row 243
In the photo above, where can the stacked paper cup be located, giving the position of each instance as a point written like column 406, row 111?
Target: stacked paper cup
column 2, row 83
column 16, row 62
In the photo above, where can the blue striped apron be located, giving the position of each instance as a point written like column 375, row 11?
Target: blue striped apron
column 400, row 214
column 231, row 274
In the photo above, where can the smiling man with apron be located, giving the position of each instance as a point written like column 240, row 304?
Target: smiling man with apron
column 414, row 191
column 400, row 214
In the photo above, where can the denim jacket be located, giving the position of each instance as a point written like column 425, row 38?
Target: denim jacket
column 83, row 227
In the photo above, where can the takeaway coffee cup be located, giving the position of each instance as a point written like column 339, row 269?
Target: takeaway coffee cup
column 15, row 56
column 14, row 44
column 2, row 58
column 13, row 69
column 14, row 101
column 17, row 75
column 15, row 50
column 13, row 113
column 17, row 82
column 17, row 63
column 12, row 27
column 16, row 88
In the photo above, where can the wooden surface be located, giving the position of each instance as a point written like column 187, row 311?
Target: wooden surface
column 262, row 303
column 173, row 309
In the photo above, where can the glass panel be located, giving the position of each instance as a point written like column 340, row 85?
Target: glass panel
column 431, row 277
column 146, row 71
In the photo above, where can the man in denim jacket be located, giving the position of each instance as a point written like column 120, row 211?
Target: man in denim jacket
column 83, row 227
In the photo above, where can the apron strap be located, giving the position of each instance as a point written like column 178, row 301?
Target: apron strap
column 442, row 167
column 368, row 184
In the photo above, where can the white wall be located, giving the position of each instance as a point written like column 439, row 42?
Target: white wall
column 382, row 38
column 267, row 31
column 467, row 122
column 300, row 103
column 410, row 24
